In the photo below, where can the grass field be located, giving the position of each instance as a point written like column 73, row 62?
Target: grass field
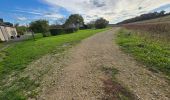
column 154, row 54
column 19, row 55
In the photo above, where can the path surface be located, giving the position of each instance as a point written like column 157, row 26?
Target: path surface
column 81, row 76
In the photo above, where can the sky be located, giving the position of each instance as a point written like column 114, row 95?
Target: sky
column 25, row 11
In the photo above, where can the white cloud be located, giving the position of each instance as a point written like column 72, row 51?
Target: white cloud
column 53, row 15
column 22, row 18
column 112, row 10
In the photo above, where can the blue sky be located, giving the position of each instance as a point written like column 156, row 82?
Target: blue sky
column 25, row 11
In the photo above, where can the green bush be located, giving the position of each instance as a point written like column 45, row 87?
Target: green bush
column 40, row 26
column 58, row 31
column 101, row 23
column 70, row 30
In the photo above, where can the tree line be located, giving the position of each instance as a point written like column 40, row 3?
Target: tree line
column 72, row 24
column 147, row 16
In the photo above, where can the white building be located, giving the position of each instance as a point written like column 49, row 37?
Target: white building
column 7, row 32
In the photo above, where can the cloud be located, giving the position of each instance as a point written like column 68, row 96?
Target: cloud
column 28, row 12
column 22, row 18
column 27, row 15
column 98, row 3
column 112, row 10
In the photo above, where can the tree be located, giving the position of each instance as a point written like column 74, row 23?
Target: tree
column 60, row 21
column 91, row 25
column 74, row 21
column 144, row 17
column 162, row 13
column 101, row 23
column 21, row 29
column 1, row 20
column 40, row 26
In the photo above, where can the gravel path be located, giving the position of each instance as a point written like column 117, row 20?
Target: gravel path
column 80, row 76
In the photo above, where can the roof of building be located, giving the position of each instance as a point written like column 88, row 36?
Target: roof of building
column 2, row 23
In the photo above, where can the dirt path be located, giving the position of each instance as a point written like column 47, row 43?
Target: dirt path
column 80, row 77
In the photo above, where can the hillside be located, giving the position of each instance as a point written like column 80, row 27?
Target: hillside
column 164, row 19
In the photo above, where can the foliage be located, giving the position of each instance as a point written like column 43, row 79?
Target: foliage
column 145, row 17
column 20, row 54
column 74, row 21
column 70, row 30
column 91, row 25
column 40, row 26
column 21, row 29
column 101, row 23
column 56, row 31
column 1, row 20
column 154, row 54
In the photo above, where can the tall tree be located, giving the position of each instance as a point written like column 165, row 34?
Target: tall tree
column 74, row 21
column 40, row 26
column 101, row 23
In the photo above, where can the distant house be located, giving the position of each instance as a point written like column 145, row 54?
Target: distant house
column 7, row 31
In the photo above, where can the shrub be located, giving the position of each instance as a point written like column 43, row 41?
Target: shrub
column 59, row 31
column 21, row 29
column 70, row 30
column 101, row 23
column 56, row 31
column 1, row 41
column 40, row 26
column 91, row 25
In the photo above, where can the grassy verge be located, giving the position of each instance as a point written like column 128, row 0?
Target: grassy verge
column 19, row 55
column 154, row 54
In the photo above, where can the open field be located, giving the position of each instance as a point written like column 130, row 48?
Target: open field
column 159, row 31
column 154, row 53
column 19, row 55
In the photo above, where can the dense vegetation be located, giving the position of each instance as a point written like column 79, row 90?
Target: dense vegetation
column 98, row 24
column 153, row 53
column 101, row 23
column 19, row 55
column 145, row 17
column 74, row 21
column 40, row 26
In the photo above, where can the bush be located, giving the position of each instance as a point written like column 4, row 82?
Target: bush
column 101, row 23
column 70, row 30
column 40, row 26
column 91, row 25
column 1, row 41
column 56, row 31
column 59, row 31
column 21, row 29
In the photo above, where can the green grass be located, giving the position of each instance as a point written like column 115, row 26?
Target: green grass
column 154, row 54
column 19, row 55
